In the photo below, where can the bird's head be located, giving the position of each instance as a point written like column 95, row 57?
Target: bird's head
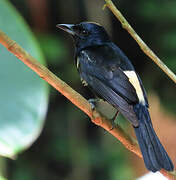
column 86, row 34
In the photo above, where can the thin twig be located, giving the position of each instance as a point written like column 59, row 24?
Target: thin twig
column 140, row 42
column 72, row 95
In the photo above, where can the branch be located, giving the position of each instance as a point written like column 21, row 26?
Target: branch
column 68, row 92
column 72, row 95
column 140, row 42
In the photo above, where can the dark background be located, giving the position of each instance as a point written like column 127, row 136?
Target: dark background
column 70, row 147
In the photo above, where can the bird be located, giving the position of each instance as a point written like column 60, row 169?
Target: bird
column 110, row 75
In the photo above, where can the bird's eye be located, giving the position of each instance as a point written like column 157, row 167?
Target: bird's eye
column 84, row 32
column 80, row 30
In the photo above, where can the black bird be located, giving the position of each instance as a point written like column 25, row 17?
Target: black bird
column 110, row 74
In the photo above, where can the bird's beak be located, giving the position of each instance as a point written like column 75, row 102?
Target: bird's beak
column 66, row 27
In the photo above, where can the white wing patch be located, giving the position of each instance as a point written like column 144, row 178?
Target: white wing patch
column 135, row 82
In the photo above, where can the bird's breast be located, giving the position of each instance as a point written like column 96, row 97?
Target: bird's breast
column 85, row 56
column 85, row 61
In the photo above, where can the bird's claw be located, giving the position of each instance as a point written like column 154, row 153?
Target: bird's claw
column 92, row 103
column 113, row 120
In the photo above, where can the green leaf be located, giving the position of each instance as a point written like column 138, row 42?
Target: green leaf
column 23, row 95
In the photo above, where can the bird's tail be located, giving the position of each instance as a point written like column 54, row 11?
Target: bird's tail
column 154, row 154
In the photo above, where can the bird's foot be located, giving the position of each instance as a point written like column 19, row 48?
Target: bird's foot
column 93, row 102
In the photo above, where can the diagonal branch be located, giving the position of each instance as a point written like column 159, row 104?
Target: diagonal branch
column 68, row 92
column 140, row 42
column 72, row 95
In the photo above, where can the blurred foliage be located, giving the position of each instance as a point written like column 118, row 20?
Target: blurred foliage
column 158, row 10
column 53, row 48
column 70, row 146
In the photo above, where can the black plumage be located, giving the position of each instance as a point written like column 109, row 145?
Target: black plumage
column 110, row 74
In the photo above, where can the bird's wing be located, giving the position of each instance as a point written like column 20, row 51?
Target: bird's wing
column 110, row 66
column 114, row 79
column 117, row 95
column 120, row 88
